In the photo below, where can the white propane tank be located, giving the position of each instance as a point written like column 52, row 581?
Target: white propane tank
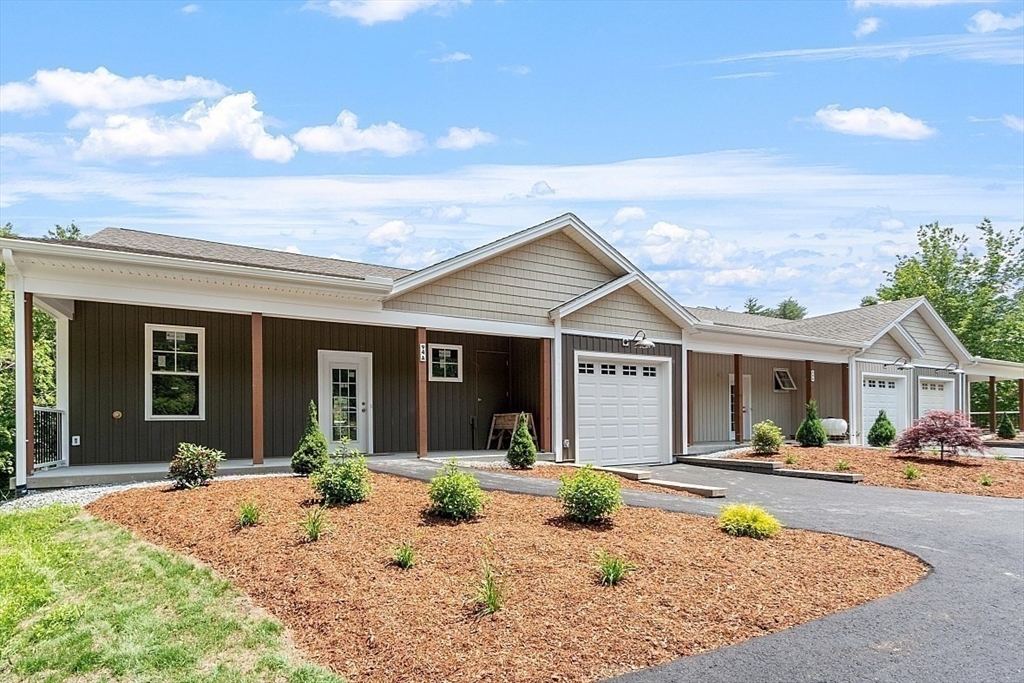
column 834, row 426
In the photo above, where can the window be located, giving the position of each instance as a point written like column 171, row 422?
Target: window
column 586, row 368
column 650, row 371
column 175, row 373
column 784, row 380
column 445, row 363
column 607, row 369
column 629, row 370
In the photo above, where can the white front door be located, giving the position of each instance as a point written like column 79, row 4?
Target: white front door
column 747, row 413
column 878, row 394
column 345, row 405
column 934, row 394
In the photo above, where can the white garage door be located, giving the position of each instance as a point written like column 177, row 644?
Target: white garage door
column 880, row 394
column 934, row 396
column 622, row 415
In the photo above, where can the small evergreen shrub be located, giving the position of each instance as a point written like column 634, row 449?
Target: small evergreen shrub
column 911, row 473
column 1005, row 430
column 843, row 466
column 766, row 439
column 249, row 514
column 314, row 524
column 986, row 480
column 589, row 496
column 455, row 494
column 747, row 520
column 193, row 465
column 489, row 592
column 812, row 432
column 311, row 454
column 343, row 481
column 611, row 569
column 522, row 452
column 405, row 555
column 882, row 432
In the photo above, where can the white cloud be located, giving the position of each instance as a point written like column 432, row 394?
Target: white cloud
column 292, row 249
column 345, row 136
column 864, row 4
column 882, row 122
column 231, row 123
column 667, row 244
column 464, row 138
column 867, row 26
column 541, row 189
column 628, row 213
column 190, row 9
column 987, row 21
column 392, row 232
column 749, row 74
column 750, row 276
column 515, row 70
column 1013, row 122
column 453, row 57
column 370, row 12
column 101, row 89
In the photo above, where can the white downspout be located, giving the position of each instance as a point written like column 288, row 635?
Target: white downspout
column 556, row 402
column 686, row 397
column 21, row 360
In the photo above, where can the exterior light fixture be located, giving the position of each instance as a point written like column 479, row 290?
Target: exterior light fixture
column 639, row 341
column 901, row 363
column 955, row 369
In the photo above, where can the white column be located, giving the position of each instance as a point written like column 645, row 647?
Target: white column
column 22, row 420
column 63, row 384
column 854, row 426
column 556, row 399
column 686, row 399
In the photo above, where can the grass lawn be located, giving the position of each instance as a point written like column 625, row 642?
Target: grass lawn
column 83, row 600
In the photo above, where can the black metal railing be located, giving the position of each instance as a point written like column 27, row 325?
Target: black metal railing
column 48, row 437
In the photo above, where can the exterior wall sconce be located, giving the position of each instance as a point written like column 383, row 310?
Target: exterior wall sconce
column 901, row 363
column 955, row 369
column 639, row 341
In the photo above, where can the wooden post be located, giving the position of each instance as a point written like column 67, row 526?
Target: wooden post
column 737, row 361
column 1020, row 404
column 545, row 395
column 422, row 366
column 992, row 404
column 257, row 388
column 30, row 392
column 846, row 397
column 808, row 373
column 689, row 397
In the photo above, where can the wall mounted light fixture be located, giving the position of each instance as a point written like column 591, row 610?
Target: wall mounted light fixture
column 901, row 363
column 639, row 341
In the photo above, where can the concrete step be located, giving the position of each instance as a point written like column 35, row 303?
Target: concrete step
column 696, row 489
column 845, row 477
column 758, row 466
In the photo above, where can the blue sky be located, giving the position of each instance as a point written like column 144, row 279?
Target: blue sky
column 735, row 149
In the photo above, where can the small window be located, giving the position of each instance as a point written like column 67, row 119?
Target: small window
column 586, row 368
column 784, row 380
column 175, row 373
column 445, row 363
column 607, row 369
column 629, row 370
column 650, row 371
column 892, row 384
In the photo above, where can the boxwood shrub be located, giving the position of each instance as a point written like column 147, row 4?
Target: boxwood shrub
column 766, row 439
column 589, row 496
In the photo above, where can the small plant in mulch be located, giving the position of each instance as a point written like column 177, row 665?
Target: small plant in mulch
column 812, row 431
column 1000, row 456
column 843, row 466
column 344, row 480
column 612, row 569
column 311, row 454
column 522, row 452
column 766, row 438
column 194, row 465
column 249, row 514
column 911, row 473
column 314, row 524
column 489, row 592
column 405, row 555
column 747, row 520
column 986, row 480
column 882, row 432
column 791, row 459
column 455, row 494
column 589, row 496
column 948, row 433
column 1005, row 428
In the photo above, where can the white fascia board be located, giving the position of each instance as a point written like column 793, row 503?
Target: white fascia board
column 618, row 335
column 587, row 298
column 651, row 292
column 980, row 369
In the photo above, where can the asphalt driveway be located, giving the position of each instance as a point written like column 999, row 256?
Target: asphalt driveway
column 963, row 622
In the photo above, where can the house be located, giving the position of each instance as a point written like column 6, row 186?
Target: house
column 164, row 339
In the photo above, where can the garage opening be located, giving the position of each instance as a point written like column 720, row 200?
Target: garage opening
column 882, row 393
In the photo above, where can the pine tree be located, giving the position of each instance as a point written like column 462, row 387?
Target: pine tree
column 882, row 431
column 311, row 455
column 812, row 432
column 1005, row 429
column 522, row 453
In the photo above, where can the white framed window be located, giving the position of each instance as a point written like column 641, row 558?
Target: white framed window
column 175, row 372
column 650, row 371
column 445, row 362
column 784, row 380
column 607, row 369
column 629, row 370
column 586, row 368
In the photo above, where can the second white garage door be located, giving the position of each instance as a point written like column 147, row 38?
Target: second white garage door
column 622, row 411
column 879, row 393
column 934, row 395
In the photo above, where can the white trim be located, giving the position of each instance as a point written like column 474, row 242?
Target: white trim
column 324, row 359
column 851, row 397
column 661, row 301
column 57, row 308
column 63, row 367
column 617, row 335
column 685, row 394
column 906, row 341
column 430, row 362
column 946, row 380
column 556, row 400
column 700, row 343
column 21, row 360
column 631, row 358
column 150, row 328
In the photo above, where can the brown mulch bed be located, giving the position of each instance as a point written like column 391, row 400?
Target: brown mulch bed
column 885, row 468
column 557, row 472
column 696, row 588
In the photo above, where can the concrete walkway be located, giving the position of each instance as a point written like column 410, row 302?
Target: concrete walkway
column 964, row 622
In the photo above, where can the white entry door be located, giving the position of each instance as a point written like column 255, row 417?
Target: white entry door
column 622, row 410
column 934, row 395
column 881, row 393
column 747, row 413
column 345, row 406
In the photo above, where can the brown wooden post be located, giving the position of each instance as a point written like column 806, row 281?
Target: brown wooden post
column 689, row 397
column 1020, row 404
column 991, row 403
column 30, row 391
column 545, row 395
column 808, row 373
column 257, row 388
column 737, row 362
column 423, row 364
column 846, row 397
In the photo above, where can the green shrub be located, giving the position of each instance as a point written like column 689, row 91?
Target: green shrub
column 767, row 438
column 882, row 432
column 1000, row 456
column 747, row 520
column 986, row 480
column 455, row 494
column 589, row 496
column 314, row 524
column 344, row 480
column 6, row 457
column 812, row 432
column 311, row 454
column 911, row 473
column 522, row 452
column 489, row 592
column 611, row 569
column 1006, row 430
column 193, row 465
column 405, row 555
column 249, row 514
column 843, row 466
column 791, row 459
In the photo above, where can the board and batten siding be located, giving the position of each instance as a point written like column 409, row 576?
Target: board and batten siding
column 576, row 342
column 623, row 311
column 519, row 286
column 107, row 373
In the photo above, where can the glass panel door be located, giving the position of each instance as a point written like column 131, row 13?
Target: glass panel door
column 345, row 403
